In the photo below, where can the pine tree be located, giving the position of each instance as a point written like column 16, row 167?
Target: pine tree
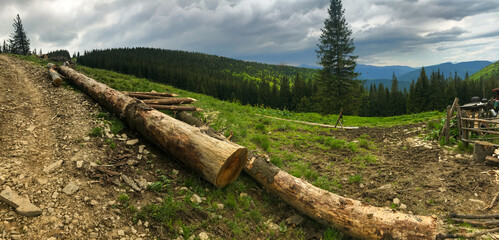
column 337, row 85
column 5, row 48
column 19, row 42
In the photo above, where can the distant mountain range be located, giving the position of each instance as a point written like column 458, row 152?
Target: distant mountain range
column 405, row 75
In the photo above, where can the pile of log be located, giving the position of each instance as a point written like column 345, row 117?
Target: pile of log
column 164, row 101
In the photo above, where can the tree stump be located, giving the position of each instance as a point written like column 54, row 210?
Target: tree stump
column 481, row 150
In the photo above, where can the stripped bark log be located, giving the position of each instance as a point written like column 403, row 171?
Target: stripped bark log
column 149, row 95
column 54, row 75
column 219, row 162
column 170, row 101
column 175, row 108
column 350, row 216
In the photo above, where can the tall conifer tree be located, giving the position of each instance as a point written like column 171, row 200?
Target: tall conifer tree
column 337, row 85
column 19, row 42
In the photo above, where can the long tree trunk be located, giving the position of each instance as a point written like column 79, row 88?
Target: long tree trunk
column 174, row 108
column 350, row 216
column 170, row 101
column 219, row 162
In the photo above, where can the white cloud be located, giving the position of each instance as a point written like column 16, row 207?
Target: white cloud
column 403, row 32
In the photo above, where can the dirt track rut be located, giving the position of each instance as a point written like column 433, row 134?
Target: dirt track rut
column 40, row 125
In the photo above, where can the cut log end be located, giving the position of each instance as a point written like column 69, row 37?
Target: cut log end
column 232, row 167
column 57, row 82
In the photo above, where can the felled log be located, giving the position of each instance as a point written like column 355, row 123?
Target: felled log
column 350, row 216
column 175, row 108
column 491, row 160
column 149, row 95
column 219, row 162
column 54, row 75
column 170, row 101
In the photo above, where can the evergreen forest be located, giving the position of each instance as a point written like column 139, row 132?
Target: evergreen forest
column 283, row 87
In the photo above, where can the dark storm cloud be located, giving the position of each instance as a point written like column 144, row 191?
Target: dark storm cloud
column 256, row 29
column 443, row 9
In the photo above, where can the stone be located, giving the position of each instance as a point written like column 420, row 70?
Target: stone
column 55, row 195
column 130, row 182
column 196, row 199
column 71, row 188
column 220, row 206
column 396, row 201
column 141, row 148
column 203, row 236
column 132, row 142
column 22, row 205
column 94, row 235
column 79, row 164
column 52, row 167
column 242, row 195
column 295, row 220
column 142, row 183
column 272, row 226
column 94, row 203
column 403, row 206
column 174, row 172
column 121, row 233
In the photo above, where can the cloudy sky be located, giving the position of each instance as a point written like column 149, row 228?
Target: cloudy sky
column 386, row 32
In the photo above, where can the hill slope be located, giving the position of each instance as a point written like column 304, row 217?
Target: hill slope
column 490, row 71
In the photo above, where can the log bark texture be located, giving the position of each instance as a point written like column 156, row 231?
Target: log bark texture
column 350, row 216
column 170, row 101
column 149, row 95
column 54, row 75
column 174, row 108
column 219, row 162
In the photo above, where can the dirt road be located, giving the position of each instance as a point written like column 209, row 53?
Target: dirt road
column 41, row 125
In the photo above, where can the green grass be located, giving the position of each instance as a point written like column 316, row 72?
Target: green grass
column 291, row 146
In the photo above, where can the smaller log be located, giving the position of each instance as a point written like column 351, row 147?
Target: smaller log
column 491, row 160
column 54, row 75
column 170, row 101
column 149, row 95
column 481, row 150
column 175, row 108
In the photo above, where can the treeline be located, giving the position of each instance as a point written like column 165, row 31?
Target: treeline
column 283, row 87
column 224, row 78
column 424, row 94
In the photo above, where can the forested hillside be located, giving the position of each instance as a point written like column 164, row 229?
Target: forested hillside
column 491, row 71
column 227, row 79
column 283, row 87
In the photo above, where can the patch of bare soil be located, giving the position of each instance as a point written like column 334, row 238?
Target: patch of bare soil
column 414, row 175
column 44, row 147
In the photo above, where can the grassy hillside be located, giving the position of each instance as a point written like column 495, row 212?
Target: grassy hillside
column 491, row 71
column 291, row 146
